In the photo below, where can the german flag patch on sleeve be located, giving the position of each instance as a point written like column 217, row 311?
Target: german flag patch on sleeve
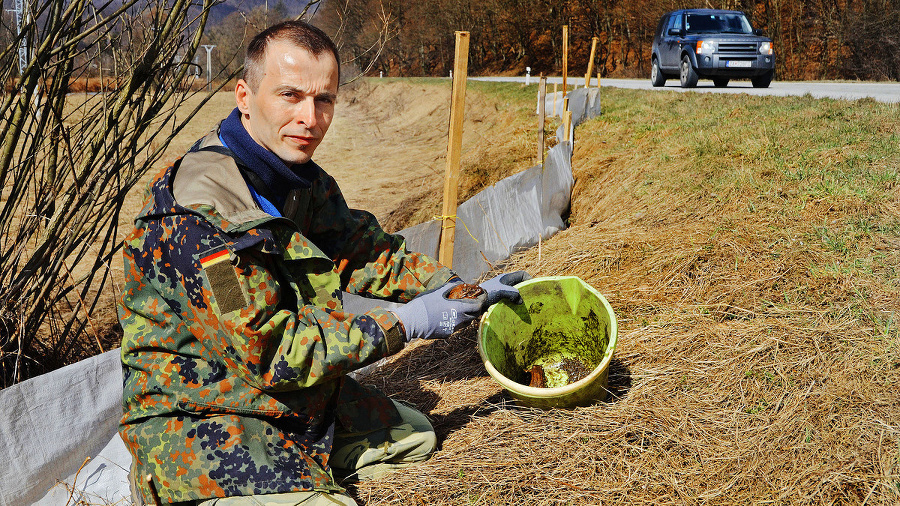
column 223, row 281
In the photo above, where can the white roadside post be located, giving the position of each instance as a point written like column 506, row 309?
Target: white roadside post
column 208, row 48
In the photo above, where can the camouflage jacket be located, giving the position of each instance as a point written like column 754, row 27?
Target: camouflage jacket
column 235, row 343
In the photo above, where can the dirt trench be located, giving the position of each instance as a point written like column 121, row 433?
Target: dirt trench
column 387, row 142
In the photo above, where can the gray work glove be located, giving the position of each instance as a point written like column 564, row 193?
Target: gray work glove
column 432, row 315
column 501, row 287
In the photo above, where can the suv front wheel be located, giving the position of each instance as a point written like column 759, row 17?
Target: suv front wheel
column 689, row 76
column 657, row 78
column 762, row 81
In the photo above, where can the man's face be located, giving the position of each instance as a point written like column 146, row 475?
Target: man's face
column 292, row 108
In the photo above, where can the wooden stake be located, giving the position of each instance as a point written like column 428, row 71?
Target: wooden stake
column 565, row 58
column 587, row 77
column 454, row 148
column 542, row 116
column 598, row 78
column 540, row 240
column 567, row 124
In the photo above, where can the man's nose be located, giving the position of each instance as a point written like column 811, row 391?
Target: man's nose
column 306, row 112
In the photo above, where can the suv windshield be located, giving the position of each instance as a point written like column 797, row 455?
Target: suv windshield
column 717, row 23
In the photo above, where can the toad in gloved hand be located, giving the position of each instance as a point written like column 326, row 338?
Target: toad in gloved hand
column 432, row 315
column 435, row 315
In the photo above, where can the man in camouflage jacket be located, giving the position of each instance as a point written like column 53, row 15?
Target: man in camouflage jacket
column 236, row 345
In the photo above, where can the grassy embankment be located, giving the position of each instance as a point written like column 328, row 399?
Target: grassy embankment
column 751, row 249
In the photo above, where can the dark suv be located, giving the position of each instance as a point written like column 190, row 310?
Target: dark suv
column 713, row 44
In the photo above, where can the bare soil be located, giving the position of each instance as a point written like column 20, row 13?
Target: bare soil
column 383, row 144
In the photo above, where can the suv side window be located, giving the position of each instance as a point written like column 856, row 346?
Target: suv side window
column 668, row 47
column 676, row 22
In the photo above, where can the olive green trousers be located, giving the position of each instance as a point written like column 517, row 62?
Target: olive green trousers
column 355, row 457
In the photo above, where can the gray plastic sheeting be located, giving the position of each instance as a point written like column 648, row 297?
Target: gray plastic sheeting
column 50, row 424
column 513, row 214
column 583, row 102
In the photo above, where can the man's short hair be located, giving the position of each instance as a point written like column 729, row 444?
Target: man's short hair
column 303, row 35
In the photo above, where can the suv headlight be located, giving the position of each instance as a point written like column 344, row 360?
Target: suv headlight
column 765, row 48
column 706, row 47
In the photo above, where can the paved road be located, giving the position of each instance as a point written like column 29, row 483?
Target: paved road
column 883, row 92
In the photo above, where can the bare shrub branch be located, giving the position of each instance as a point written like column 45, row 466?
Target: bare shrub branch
column 67, row 160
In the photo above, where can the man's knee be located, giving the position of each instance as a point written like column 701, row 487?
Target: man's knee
column 421, row 439
column 310, row 498
column 374, row 454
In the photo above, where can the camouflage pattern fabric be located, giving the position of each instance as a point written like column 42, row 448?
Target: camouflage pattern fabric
column 376, row 453
column 236, row 344
column 360, row 456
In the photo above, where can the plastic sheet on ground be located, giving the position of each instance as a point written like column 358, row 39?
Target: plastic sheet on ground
column 513, row 214
column 51, row 423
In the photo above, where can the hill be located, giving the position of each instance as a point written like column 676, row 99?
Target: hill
column 222, row 10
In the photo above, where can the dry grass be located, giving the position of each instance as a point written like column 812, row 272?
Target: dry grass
column 750, row 249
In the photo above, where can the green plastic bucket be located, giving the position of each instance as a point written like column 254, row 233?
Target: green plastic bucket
column 565, row 327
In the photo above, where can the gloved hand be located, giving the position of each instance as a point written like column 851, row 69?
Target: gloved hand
column 432, row 315
column 501, row 287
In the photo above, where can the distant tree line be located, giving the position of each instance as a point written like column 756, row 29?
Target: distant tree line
column 814, row 39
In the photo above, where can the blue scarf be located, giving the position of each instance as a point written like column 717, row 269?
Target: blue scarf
column 274, row 173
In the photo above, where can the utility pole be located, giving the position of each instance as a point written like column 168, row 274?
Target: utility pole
column 21, row 13
column 208, row 48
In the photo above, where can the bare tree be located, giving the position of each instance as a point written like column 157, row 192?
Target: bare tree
column 67, row 161
column 234, row 32
column 872, row 41
column 361, row 29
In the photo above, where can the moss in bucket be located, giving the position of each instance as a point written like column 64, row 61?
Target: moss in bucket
column 562, row 350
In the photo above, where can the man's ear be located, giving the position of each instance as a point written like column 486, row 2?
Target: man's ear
column 242, row 96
